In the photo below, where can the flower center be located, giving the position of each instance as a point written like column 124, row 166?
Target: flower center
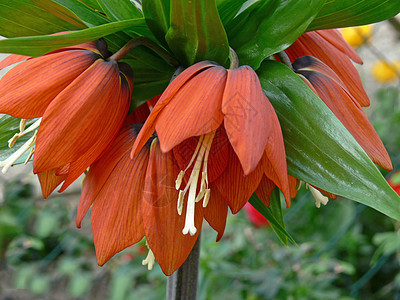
column 199, row 158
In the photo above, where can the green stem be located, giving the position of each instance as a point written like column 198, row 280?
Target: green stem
column 143, row 41
column 233, row 58
column 182, row 285
column 285, row 59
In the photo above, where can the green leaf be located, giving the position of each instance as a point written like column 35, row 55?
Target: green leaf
column 196, row 32
column 24, row 18
column 89, row 16
column 228, row 9
column 61, row 12
column 39, row 45
column 268, row 27
column 157, row 15
column 344, row 13
column 275, row 218
column 119, row 10
column 319, row 149
column 9, row 126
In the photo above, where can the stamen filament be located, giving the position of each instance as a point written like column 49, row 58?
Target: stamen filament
column 29, row 155
column 11, row 142
column 6, row 164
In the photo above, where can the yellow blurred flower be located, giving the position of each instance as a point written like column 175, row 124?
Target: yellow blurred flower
column 386, row 72
column 356, row 36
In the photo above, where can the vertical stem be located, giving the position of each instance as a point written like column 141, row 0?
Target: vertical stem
column 182, row 285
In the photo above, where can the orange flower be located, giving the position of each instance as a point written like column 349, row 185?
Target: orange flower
column 82, row 99
column 330, row 47
column 331, row 89
column 136, row 198
column 220, row 125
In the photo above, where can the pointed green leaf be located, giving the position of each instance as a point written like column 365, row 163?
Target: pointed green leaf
column 9, row 126
column 157, row 15
column 276, row 210
column 92, row 4
column 39, row 45
column 24, row 18
column 119, row 10
column 61, row 12
column 228, row 9
column 196, row 32
column 319, row 149
column 344, row 13
column 269, row 26
column 273, row 219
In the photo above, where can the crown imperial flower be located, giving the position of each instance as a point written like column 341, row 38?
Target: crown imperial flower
column 82, row 99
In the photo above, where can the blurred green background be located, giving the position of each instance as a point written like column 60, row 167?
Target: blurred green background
column 345, row 250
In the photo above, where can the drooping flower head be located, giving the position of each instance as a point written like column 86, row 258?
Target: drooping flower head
column 322, row 60
column 82, row 98
column 233, row 129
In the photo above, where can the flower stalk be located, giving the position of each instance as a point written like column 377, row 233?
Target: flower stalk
column 183, row 283
column 143, row 41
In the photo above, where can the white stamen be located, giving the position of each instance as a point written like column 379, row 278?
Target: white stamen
column 200, row 155
column 6, row 164
column 189, row 220
column 206, row 197
column 11, row 142
column 29, row 155
column 22, row 125
column 181, row 197
column 149, row 260
column 178, row 180
column 319, row 198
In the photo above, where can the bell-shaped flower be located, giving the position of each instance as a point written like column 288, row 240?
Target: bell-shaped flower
column 331, row 89
column 83, row 99
column 224, row 134
column 330, row 47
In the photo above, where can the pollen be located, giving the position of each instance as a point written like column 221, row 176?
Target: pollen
column 200, row 161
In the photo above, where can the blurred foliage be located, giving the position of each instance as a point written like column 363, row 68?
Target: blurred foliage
column 345, row 250
column 339, row 245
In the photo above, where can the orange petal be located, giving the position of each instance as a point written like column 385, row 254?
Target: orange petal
column 28, row 88
column 294, row 184
column 100, row 171
column 334, row 37
column 117, row 213
column 162, row 224
column 194, row 110
column 246, row 116
column 139, row 115
column 82, row 120
column 234, row 186
column 49, row 181
column 265, row 189
column 350, row 113
column 216, row 212
column 312, row 43
column 166, row 97
column 12, row 59
column 274, row 158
